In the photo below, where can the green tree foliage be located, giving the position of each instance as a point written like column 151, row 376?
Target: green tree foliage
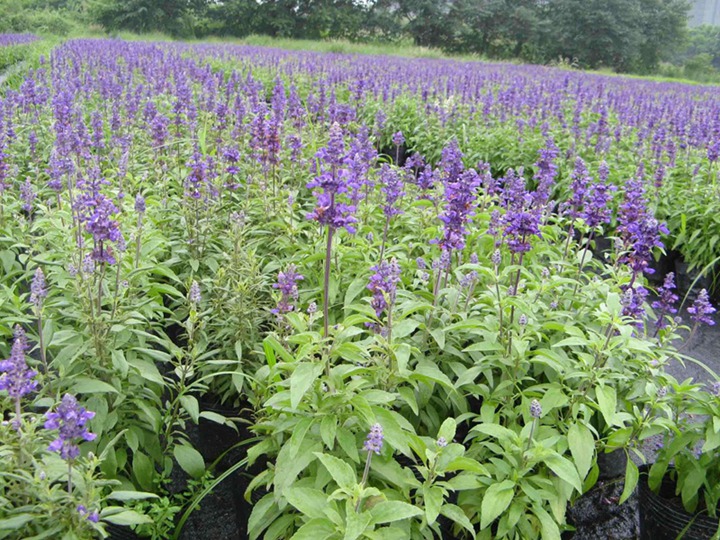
column 625, row 35
column 175, row 17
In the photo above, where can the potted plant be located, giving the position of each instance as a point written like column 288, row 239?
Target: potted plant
column 682, row 492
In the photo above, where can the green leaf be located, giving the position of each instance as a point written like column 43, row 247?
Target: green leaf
column 127, row 517
column 355, row 524
column 439, row 336
column 354, row 289
column 301, row 380
column 550, row 530
column 607, row 402
column 190, row 460
column 86, row 385
column 310, row 502
column 632, row 475
column 565, row 470
column 131, row 495
column 433, row 497
column 328, row 429
column 447, row 430
column 496, row 500
column 582, row 448
column 390, row 511
column 342, row 473
column 143, row 470
column 315, row 529
column 456, row 514
column 191, row 406
column 15, row 522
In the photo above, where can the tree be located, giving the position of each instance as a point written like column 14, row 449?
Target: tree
column 622, row 34
column 172, row 16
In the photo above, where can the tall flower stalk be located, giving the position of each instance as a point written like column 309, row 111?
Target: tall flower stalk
column 38, row 292
column 330, row 183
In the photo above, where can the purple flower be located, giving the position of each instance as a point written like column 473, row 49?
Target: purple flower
column 331, row 179
column 639, row 230
column 535, row 409
column 383, row 285
column 70, row 419
column 27, row 194
column 441, row 442
column 38, row 288
column 578, row 188
column 633, row 302
column 96, row 211
column 194, row 295
column 392, row 187
column 17, row 378
column 460, row 195
column 374, row 440
column 701, row 309
column 519, row 227
column 398, row 138
column 287, row 285
column 139, row 204
column 666, row 301
column 421, row 264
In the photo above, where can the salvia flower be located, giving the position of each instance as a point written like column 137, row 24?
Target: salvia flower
column 383, row 285
column 374, row 440
column 140, row 204
column 69, row 419
column 27, row 194
column 392, row 188
column 535, row 409
column 398, row 139
column 93, row 516
column 17, row 378
column 666, row 299
column 287, row 285
column 633, row 302
column 701, row 309
column 194, row 295
column 331, row 182
column 38, row 288
column 441, row 442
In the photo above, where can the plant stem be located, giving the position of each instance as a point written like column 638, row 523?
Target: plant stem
column 41, row 340
column 326, row 283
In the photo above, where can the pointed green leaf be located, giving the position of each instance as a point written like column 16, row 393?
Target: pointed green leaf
column 342, row 473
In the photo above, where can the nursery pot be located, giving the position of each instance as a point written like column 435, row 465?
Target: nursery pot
column 117, row 532
column 663, row 517
column 612, row 464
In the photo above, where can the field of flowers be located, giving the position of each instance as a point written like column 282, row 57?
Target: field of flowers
column 421, row 285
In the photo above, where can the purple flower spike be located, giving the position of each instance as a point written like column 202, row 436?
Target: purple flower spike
column 398, row 138
column 374, row 441
column 17, row 378
column 70, row 419
column 667, row 299
column 38, row 288
column 332, row 180
column 535, row 409
column 287, row 285
column 139, row 204
column 194, row 295
column 392, row 187
column 701, row 309
column 383, row 284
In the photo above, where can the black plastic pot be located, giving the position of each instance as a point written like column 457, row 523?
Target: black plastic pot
column 612, row 464
column 662, row 516
column 117, row 532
